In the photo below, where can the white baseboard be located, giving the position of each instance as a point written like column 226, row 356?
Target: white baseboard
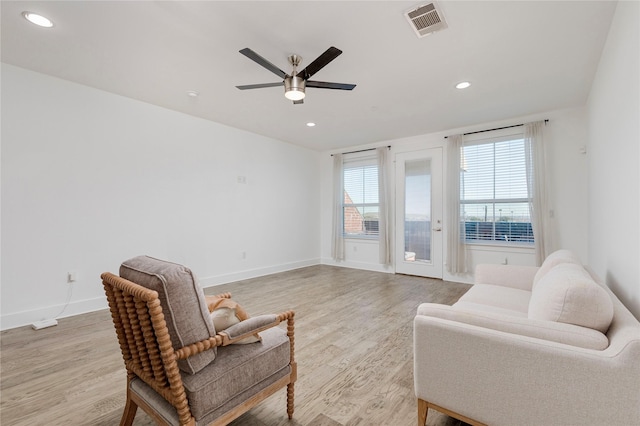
column 375, row 267
column 254, row 273
column 24, row 318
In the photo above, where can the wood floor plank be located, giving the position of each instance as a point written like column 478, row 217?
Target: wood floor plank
column 353, row 346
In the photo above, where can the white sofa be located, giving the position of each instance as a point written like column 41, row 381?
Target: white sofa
column 530, row 346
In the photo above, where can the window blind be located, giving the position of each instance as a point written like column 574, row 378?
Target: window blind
column 361, row 208
column 493, row 191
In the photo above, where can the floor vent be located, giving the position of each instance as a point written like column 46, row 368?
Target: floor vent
column 426, row 19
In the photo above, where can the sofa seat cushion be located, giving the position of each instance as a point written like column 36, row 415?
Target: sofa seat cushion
column 568, row 294
column 482, row 308
column 182, row 301
column 237, row 368
column 497, row 298
column 558, row 332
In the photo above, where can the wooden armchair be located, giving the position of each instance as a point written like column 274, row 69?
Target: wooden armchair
column 179, row 380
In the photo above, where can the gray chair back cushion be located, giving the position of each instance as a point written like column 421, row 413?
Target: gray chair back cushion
column 183, row 304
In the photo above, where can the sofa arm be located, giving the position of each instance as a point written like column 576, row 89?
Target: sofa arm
column 558, row 332
column 515, row 276
column 499, row 378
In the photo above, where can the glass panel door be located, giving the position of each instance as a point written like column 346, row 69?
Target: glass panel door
column 417, row 210
column 419, row 213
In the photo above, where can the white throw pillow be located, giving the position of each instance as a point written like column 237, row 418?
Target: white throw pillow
column 556, row 258
column 224, row 318
column 568, row 294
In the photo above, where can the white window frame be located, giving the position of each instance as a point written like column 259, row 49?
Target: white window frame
column 492, row 137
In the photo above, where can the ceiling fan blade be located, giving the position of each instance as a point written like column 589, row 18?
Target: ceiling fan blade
column 301, row 101
column 259, row 86
column 327, row 85
column 262, row 61
column 320, row 62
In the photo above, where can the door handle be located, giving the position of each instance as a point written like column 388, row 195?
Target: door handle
column 437, row 229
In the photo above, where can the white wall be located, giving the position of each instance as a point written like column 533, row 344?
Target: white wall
column 565, row 136
column 614, row 159
column 90, row 179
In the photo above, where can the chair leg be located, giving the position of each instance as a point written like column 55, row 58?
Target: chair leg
column 423, row 407
column 290, row 400
column 129, row 412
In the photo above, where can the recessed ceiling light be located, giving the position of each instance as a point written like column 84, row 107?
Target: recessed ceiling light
column 193, row 93
column 463, row 85
column 310, row 124
column 39, row 20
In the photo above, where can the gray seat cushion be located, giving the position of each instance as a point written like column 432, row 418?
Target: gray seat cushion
column 236, row 369
column 183, row 304
column 238, row 372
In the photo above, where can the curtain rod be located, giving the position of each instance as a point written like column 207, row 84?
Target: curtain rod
column 362, row 150
column 497, row 128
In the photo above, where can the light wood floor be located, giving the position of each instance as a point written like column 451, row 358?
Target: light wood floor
column 353, row 347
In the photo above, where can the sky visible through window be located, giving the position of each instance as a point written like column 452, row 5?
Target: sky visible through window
column 493, row 188
column 494, row 185
column 417, row 204
column 361, row 185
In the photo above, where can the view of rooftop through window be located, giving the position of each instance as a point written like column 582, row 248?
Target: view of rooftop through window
column 361, row 208
column 493, row 192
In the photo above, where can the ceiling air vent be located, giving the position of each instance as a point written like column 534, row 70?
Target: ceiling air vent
column 426, row 19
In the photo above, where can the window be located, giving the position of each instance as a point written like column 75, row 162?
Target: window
column 361, row 207
column 494, row 202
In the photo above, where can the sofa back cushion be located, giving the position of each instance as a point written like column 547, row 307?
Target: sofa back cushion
column 568, row 294
column 182, row 301
column 556, row 258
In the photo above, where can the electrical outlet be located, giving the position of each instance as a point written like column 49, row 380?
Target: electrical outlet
column 72, row 276
column 39, row 325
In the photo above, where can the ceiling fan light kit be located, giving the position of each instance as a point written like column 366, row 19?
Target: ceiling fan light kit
column 294, row 88
column 296, row 83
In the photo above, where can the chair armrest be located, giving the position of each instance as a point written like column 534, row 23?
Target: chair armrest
column 255, row 325
column 238, row 332
column 515, row 276
column 247, row 328
column 558, row 332
column 500, row 378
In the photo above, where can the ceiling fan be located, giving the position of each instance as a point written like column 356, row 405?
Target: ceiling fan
column 296, row 82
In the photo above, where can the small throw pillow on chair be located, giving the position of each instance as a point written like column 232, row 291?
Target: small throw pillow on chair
column 225, row 313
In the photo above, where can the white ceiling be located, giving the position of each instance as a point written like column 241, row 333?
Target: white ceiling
column 522, row 57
